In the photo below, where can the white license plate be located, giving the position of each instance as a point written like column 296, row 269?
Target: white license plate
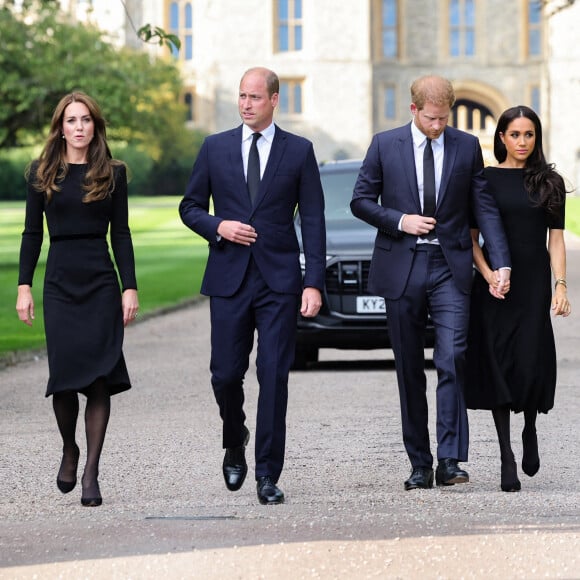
column 370, row 304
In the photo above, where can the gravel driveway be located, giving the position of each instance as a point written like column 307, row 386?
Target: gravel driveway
column 166, row 512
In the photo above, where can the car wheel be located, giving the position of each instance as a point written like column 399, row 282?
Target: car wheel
column 303, row 356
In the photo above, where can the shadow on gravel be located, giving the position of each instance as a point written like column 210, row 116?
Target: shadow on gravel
column 355, row 365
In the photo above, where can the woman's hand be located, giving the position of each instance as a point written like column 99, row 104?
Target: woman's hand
column 25, row 304
column 493, row 279
column 130, row 303
column 560, row 304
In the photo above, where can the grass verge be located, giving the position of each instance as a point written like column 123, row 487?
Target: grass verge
column 170, row 260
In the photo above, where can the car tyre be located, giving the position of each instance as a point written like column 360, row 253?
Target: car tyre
column 304, row 356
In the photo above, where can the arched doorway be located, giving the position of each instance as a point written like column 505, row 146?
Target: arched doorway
column 476, row 110
column 475, row 118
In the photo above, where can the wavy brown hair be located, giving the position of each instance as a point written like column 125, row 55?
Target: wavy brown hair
column 544, row 184
column 51, row 167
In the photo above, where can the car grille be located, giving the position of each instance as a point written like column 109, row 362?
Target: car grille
column 348, row 277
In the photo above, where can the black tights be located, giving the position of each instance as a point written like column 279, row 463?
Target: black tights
column 531, row 456
column 530, row 459
column 509, row 470
column 97, row 411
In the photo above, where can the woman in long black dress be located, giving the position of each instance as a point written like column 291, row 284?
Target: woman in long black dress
column 83, row 193
column 511, row 354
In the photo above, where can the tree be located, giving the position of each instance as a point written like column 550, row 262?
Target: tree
column 43, row 60
column 44, row 56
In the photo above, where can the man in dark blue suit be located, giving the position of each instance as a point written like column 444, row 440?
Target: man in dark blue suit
column 417, row 186
column 257, row 176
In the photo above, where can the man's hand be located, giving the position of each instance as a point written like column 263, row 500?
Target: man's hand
column 237, row 232
column 503, row 280
column 311, row 302
column 417, row 225
column 499, row 283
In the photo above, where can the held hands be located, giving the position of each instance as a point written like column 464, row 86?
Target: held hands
column 499, row 283
column 237, row 232
column 25, row 304
column 560, row 304
column 311, row 302
column 417, row 225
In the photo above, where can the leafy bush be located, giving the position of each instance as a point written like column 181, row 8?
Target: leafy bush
column 13, row 163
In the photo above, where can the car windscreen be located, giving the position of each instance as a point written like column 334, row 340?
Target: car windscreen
column 338, row 187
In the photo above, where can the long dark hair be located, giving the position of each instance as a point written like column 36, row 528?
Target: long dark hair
column 51, row 166
column 543, row 183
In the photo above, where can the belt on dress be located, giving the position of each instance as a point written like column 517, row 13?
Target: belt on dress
column 77, row 237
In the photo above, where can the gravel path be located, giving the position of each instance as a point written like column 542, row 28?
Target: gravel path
column 166, row 512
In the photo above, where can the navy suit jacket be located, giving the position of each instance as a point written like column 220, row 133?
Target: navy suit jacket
column 290, row 180
column 388, row 174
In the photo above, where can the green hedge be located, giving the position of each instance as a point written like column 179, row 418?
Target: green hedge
column 13, row 164
column 146, row 176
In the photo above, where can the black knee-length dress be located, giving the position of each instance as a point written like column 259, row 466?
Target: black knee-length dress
column 82, row 297
column 511, row 355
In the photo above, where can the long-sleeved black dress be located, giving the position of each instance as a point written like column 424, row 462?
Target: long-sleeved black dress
column 82, row 298
column 511, row 355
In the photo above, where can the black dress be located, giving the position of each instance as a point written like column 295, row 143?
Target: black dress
column 511, row 355
column 82, row 299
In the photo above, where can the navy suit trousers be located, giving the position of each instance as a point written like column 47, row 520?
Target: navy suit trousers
column 234, row 321
column 431, row 290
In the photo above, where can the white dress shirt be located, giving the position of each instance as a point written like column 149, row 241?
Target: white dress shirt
column 419, row 142
column 264, row 145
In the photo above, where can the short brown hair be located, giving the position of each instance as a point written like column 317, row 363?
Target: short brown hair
column 272, row 81
column 432, row 89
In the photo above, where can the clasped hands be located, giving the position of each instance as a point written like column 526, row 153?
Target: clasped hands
column 499, row 283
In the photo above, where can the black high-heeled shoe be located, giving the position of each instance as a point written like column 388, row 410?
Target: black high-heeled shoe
column 94, row 500
column 91, row 501
column 531, row 456
column 509, row 475
column 63, row 485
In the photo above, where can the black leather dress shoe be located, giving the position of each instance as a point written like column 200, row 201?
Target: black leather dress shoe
column 268, row 492
column 448, row 473
column 234, row 466
column 421, row 478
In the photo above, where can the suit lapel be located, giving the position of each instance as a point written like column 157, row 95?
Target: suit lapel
column 449, row 155
column 407, row 154
column 276, row 153
column 237, row 163
column 235, row 154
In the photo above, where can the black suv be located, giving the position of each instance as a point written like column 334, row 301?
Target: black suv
column 350, row 318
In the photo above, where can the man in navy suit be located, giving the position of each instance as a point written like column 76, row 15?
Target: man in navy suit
column 422, row 264
column 257, row 176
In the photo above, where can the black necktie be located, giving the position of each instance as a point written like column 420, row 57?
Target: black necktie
column 253, row 177
column 428, row 185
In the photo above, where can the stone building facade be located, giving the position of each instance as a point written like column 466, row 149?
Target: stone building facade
column 346, row 67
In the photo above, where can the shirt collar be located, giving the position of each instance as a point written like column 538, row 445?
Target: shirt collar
column 419, row 138
column 267, row 133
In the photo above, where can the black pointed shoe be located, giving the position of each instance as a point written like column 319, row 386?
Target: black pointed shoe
column 91, row 495
column 268, row 492
column 63, row 485
column 234, row 466
column 449, row 473
column 421, row 478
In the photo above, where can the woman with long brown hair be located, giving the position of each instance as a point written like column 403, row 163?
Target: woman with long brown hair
column 83, row 193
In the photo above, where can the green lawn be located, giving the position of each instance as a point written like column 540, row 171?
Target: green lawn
column 169, row 257
column 170, row 261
